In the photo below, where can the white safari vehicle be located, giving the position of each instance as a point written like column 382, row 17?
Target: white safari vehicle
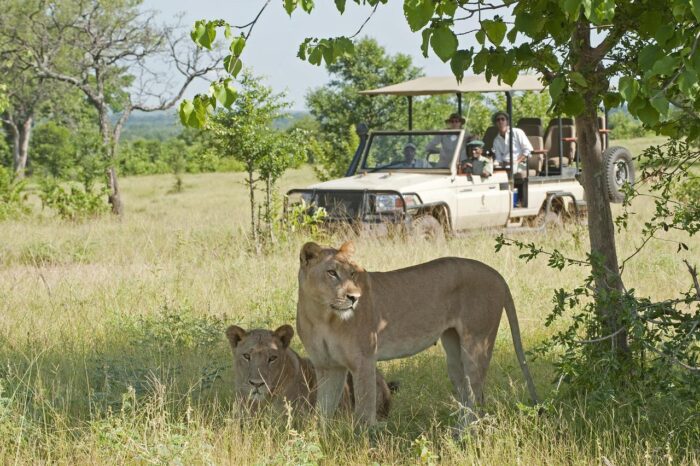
column 432, row 196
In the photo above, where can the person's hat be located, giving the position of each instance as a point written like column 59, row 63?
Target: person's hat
column 500, row 113
column 475, row 143
column 410, row 145
column 455, row 116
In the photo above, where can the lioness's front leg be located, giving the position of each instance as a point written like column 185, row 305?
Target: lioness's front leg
column 331, row 381
column 365, row 384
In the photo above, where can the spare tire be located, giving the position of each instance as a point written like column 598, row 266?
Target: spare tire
column 618, row 170
column 427, row 227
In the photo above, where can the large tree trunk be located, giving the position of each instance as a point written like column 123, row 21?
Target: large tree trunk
column 601, row 228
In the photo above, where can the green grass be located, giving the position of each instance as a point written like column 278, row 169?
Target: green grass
column 112, row 345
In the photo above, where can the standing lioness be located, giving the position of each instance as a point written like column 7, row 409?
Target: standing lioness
column 349, row 319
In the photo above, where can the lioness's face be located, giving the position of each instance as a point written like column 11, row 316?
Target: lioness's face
column 259, row 359
column 331, row 278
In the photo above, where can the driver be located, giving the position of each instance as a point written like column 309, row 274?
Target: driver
column 447, row 142
column 409, row 158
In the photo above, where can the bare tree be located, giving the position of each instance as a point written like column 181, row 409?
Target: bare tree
column 111, row 51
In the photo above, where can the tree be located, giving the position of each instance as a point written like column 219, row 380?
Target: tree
column 246, row 133
column 578, row 46
column 106, row 50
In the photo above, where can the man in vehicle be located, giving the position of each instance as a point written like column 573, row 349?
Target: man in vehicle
column 409, row 158
column 477, row 163
column 521, row 145
column 445, row 144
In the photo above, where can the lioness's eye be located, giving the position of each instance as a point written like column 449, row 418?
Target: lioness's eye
column 246, row 356
column 272, row 359
column 333, row 273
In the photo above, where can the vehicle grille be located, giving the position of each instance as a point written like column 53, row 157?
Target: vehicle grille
column 341, row 205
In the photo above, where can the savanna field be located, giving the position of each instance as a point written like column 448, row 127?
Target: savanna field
column 113, row 349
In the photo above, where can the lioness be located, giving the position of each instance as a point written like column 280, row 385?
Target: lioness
column 348, row 319
column 268, row 370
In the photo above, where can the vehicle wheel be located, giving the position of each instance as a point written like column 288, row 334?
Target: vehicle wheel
column 618, row 170
column 427, row 227
column 551, row 219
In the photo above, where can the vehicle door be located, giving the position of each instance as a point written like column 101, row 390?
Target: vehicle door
column 481, row 202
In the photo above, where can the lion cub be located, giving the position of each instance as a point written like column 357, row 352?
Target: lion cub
column 267, row 370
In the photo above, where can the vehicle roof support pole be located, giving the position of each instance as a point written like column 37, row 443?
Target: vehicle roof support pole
column 509, row 109
column 459, row 103
column 561, row 146
column 410, row 112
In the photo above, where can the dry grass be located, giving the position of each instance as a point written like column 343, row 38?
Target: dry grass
column 113, row 352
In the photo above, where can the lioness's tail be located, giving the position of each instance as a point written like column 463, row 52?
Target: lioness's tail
column 517, row 343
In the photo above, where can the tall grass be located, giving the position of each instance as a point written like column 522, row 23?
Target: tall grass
column 112, row 346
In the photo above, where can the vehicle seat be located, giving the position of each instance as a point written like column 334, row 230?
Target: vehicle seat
column 535, row 163
column 551, row 142
column 531, row 126
column 489, row 137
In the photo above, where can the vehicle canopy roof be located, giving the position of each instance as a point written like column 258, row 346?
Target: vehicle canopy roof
column 449, row 85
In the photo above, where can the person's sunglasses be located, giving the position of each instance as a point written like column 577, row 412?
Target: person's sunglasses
column 501, row 119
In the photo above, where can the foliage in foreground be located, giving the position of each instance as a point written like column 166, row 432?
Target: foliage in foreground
column 664, row 336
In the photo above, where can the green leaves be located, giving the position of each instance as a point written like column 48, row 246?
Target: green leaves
column 572, row 104
column 461, row 60
column 237, row 46
column 233, row 65
column 418, row 13
column 204, row 33
column 556, row 87
column 629, row 87
column 194, row 113
column 444, row 42
column 495, row 30
column 223, row 92
column 340, row 6
column 315, row 51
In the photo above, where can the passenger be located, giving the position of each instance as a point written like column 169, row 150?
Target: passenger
column 521, row 145
column 409, row 158
column 447, row 142
column 477, row 163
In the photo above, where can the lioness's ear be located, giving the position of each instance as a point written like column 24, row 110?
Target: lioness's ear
column 309, row 251
column 285, row 334
column 235, row 335
column 348, row 248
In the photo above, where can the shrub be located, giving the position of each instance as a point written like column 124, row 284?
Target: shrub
column 12, row 196
column 72, row 201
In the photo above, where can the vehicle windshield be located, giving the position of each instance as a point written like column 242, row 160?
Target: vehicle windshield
column 423, row 150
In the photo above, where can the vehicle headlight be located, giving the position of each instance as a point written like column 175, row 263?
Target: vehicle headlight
column 411, row 200
column 387, row 203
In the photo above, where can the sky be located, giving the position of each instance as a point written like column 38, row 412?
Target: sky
column 272, row 48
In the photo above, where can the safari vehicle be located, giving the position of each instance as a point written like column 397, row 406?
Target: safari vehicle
column 433, row 198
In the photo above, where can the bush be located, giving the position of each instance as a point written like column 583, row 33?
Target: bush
column 72, row 201
column 12, row 196
column 625, row 126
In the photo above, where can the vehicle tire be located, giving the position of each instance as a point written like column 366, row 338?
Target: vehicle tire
column 427, row 227
column 618, row 170
column 550, row 220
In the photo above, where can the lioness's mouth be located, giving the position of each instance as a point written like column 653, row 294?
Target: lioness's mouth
column 343, row 309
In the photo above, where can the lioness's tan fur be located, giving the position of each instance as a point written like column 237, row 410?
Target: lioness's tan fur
column 348, row 319
column 267, row 370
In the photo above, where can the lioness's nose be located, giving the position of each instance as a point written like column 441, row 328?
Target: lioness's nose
column 353, row 297
column 256, row 384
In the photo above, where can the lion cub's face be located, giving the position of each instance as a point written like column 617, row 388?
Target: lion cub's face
column 330, row 277
column 260, row 360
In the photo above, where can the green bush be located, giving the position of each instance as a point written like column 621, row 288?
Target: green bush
column 72, row 201
column 12, row 196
